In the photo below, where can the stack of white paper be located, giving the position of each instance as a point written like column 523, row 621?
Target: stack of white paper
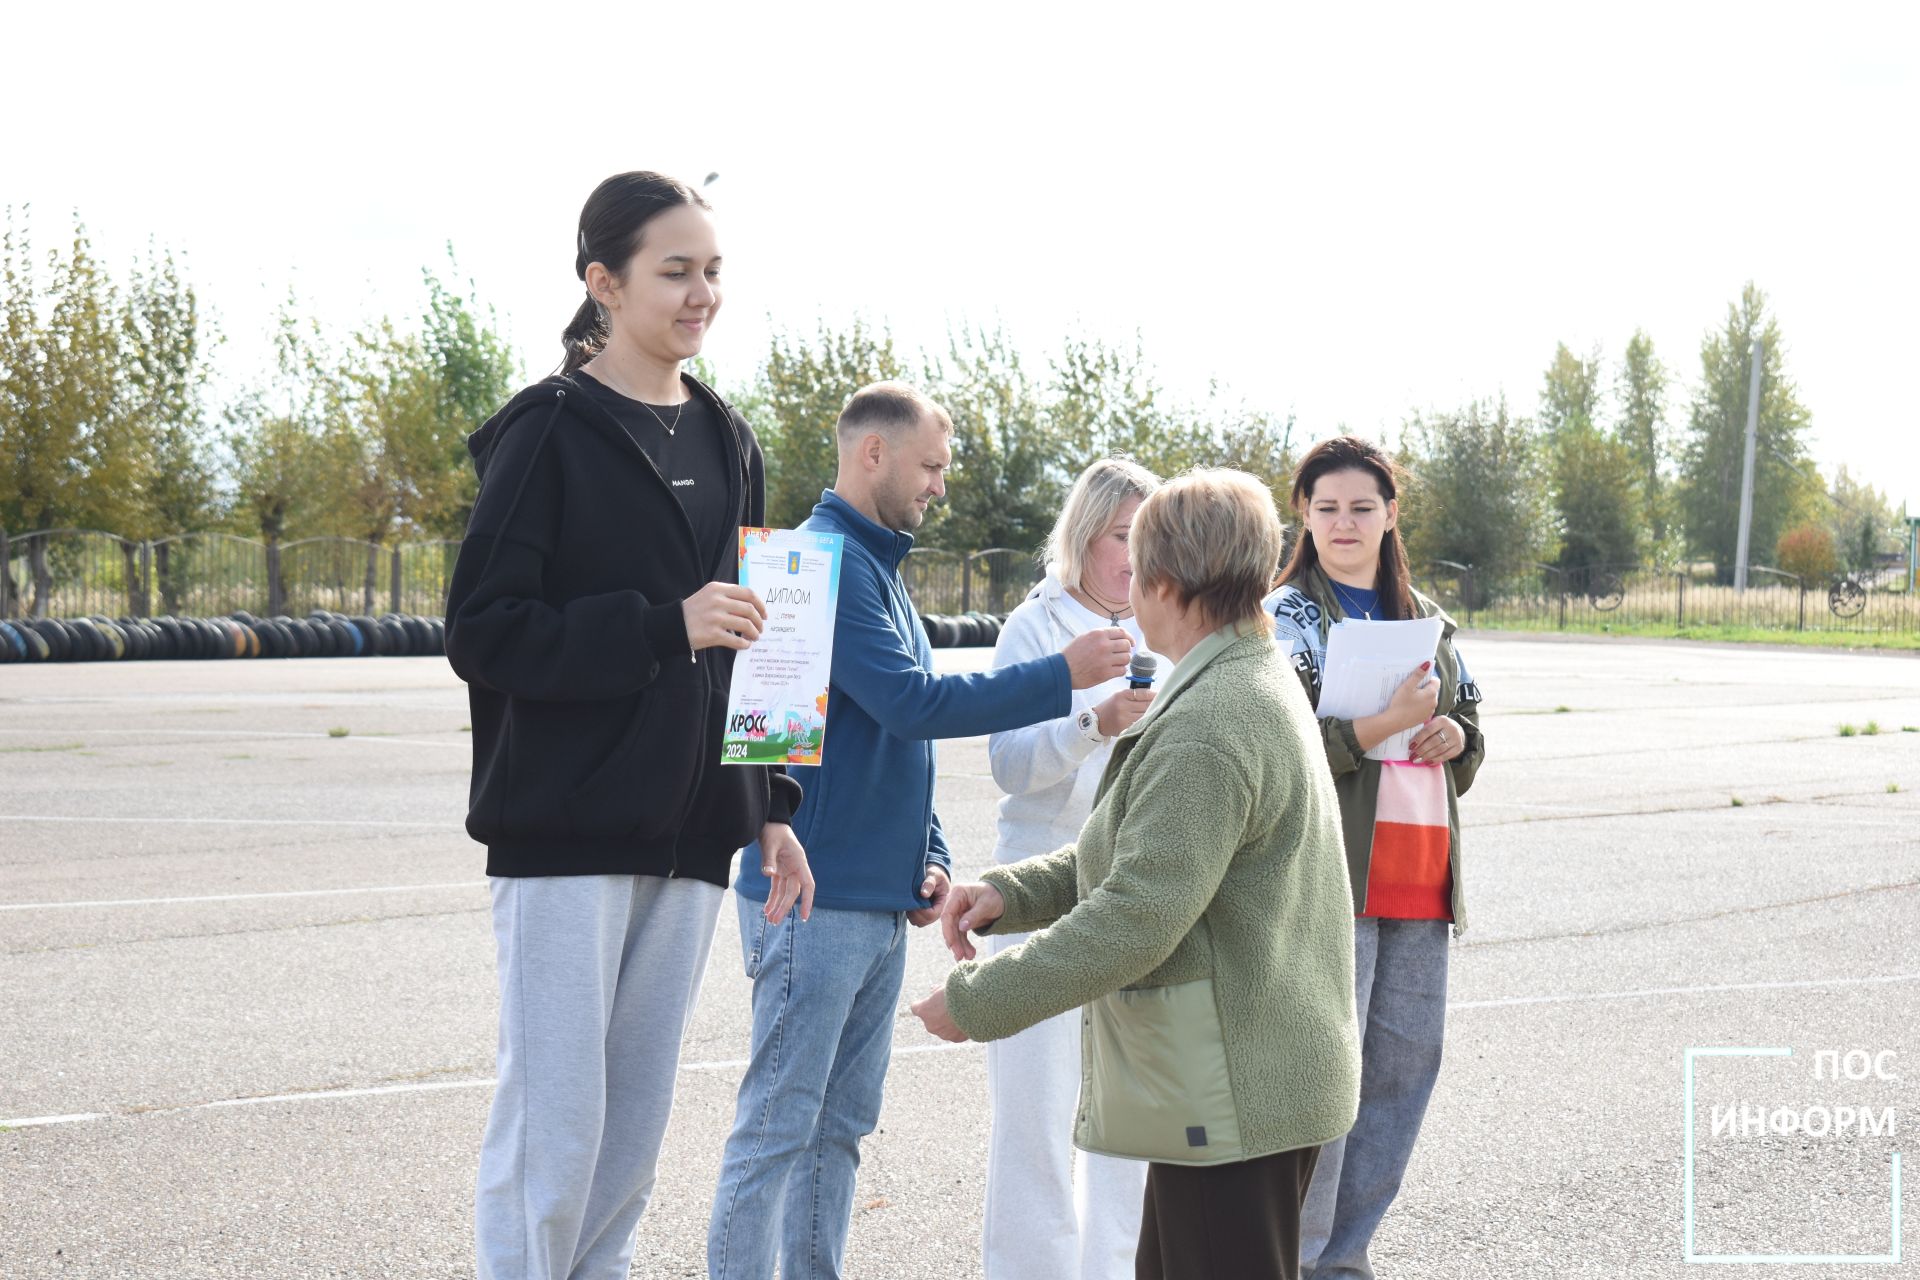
column 1366, row 662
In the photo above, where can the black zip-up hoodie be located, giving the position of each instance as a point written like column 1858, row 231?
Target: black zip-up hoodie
column 596, row 731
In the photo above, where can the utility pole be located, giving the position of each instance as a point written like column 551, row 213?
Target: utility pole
column 1746, row 471
column 1913, row 543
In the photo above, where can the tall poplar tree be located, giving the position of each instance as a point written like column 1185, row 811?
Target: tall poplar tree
column 1641, row 392
column 1785, row 484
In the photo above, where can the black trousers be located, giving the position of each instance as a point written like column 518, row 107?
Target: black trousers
column 1225, row 1221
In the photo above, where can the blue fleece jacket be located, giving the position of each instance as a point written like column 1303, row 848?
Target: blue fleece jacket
column 867, row 819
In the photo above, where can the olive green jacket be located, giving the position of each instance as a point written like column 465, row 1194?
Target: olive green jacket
column 1204, row 920
column 1303, row 613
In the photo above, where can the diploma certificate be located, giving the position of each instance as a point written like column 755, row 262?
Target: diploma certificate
column 777, row 705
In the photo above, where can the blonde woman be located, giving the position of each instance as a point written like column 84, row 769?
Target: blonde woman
column 1052, row 1214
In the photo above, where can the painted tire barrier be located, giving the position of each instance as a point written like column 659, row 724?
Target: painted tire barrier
column 320, row 634
column 962, row 631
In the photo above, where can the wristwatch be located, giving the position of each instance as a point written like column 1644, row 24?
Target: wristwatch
column 1088, row 722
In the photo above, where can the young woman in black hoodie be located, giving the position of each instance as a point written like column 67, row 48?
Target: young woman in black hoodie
column 594, row 616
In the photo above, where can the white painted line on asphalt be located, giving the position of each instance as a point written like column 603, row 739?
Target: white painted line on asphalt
column 30, row 1122
column 738, row 1064
column 327, row 1095
column 236, row 822
column 239, row 897
column 251, row 733
column 1711, row 989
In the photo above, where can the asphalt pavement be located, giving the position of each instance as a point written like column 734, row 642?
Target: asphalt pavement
column 247, row 1005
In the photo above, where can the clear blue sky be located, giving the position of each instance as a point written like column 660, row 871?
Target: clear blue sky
column 1347, row 215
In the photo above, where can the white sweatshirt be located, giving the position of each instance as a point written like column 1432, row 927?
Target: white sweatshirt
column 1048, row 770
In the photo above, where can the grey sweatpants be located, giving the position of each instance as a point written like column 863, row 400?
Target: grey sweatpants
column 598, row 975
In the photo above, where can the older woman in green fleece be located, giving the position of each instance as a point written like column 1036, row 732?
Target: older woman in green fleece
column 1203, row 918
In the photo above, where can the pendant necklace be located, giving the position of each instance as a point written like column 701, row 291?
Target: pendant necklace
column 1348, row 604
column 664, row 424
column 1113, row 613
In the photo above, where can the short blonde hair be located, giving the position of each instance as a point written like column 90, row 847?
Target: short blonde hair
column 1214, row 536
column 1101, row 491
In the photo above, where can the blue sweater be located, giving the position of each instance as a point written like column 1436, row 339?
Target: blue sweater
column 867, row 819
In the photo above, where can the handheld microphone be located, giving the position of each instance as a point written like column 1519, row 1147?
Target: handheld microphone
column 1140, row 670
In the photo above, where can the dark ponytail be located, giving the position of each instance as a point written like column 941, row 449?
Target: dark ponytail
column 1351, row 453
column 611, row 224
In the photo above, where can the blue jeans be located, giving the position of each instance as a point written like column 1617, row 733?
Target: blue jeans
column 824, row 997
column 1400, row 991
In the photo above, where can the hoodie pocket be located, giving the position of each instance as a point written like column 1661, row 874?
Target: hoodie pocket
column 641, row 790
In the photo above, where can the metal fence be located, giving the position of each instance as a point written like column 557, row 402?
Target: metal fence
column 78, row 573
column 952, row 582
column 73, row 573
column 1609, row 597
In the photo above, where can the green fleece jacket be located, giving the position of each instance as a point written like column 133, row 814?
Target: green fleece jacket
column 1209, row 883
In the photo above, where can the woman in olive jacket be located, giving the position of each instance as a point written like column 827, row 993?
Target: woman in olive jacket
column 1402, row 831
column 1202, row 917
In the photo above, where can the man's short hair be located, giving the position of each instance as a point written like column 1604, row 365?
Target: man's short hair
column 1213, row 536
column 890, row 408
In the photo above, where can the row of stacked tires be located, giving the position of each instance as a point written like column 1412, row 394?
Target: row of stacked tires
column 238, row 635
column 318, row 635
column 964, row 631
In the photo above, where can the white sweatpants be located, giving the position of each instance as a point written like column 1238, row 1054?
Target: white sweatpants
column 1053, row 1212
column 598, row 975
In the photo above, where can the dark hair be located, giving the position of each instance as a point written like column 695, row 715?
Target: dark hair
column 1351, row 453
column 611, row 224
column 889, row 408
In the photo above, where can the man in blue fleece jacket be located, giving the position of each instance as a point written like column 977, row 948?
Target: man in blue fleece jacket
column 825, row 990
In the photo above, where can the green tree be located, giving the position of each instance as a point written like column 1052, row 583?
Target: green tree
column 1105, row 399
column 287, row 440
column 803, row 386
column 64, row 453
column 1479, row 491
column 408, row 400
column 1861, row 521
column 166, row 372
column 1784, row 483
column 1570, row 396
column 1596, row 498
column 1641, row 391
column 1007, row 483
column 403, row 438
column 1597, row 507
column 1256, row 442
column 58, row 359
column 475, row 372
